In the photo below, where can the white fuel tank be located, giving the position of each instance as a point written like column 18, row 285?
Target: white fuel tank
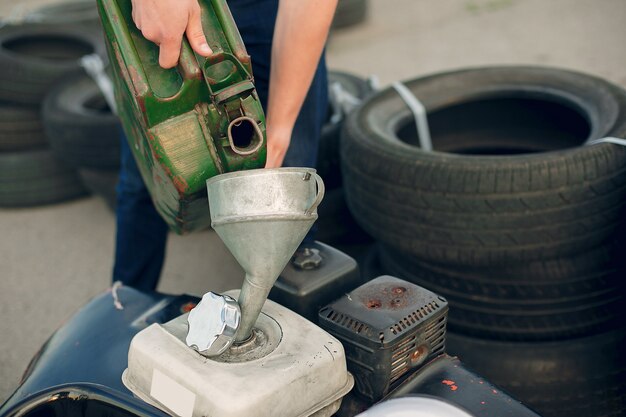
column 290, row 368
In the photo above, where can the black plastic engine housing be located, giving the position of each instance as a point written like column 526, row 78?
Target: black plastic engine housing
column 388, row 327
column 305, row 291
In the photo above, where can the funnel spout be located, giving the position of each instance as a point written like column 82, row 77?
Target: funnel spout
column 251, row 299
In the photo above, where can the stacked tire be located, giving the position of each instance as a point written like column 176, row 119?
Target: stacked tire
column 513, row 218
column 350, row 13
column 32, row 58
column 81, row 12
column 336, row 226
column 84, row 133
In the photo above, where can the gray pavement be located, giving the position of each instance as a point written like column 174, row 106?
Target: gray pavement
column 54, row 258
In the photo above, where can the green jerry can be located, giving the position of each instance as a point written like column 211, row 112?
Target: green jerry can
column 189, row 123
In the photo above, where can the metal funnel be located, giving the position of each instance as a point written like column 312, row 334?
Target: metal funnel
column 262, row 216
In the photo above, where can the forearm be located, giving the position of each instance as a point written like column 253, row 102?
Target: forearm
column 299, row 38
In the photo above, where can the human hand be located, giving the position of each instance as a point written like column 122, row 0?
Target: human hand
column 277, row 144
column 165, row 21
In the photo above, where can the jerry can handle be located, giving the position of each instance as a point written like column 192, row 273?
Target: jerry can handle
column 320, row 192
column 216, row 86
column 231, row 33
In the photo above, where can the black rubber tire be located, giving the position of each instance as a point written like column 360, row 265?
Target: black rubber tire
column 34, row 56
column 328, row 159
column 20, row 128
column 83, row 12
column 335, row 224
column 490, row 210
column 583, row 377
column 349, row 13
column 370, row 264
column 101, row 183
column 33, row 178
column 80, row 126
column 537, row 282
column 522, row 316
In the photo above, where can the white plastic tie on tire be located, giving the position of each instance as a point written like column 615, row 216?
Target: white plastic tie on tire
column 94, row 67
column 374, row 82
column 342, row 102
column 419, row 113
column 616, row 141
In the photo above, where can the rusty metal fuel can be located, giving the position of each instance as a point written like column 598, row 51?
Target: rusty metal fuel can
column 188, row 123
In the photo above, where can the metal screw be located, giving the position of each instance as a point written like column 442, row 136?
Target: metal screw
column 371, row 304
column 419, row 355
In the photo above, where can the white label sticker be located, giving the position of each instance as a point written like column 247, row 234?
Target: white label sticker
column 172, row 394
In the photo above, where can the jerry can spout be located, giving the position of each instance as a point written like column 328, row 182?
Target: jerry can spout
column 245, row 135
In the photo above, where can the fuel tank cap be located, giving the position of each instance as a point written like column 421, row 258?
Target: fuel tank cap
column 213, row 324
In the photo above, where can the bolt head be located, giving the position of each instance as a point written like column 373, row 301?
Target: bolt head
column 307, row 258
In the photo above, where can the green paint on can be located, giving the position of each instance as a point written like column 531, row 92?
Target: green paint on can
column 189, row 123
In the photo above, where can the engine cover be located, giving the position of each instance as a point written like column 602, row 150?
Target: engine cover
column 388, row 327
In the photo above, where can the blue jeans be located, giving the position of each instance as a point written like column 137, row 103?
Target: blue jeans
column 141, row 232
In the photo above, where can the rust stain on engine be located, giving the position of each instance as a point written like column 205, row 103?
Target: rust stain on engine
column 391, row 297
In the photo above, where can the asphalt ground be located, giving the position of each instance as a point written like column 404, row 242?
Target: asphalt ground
column 55, row 258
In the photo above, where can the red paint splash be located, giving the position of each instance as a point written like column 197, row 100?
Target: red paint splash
column 451, row 384
column 186, row 308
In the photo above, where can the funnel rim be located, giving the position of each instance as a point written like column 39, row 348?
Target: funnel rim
column 263, row 218
column 248, row 172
